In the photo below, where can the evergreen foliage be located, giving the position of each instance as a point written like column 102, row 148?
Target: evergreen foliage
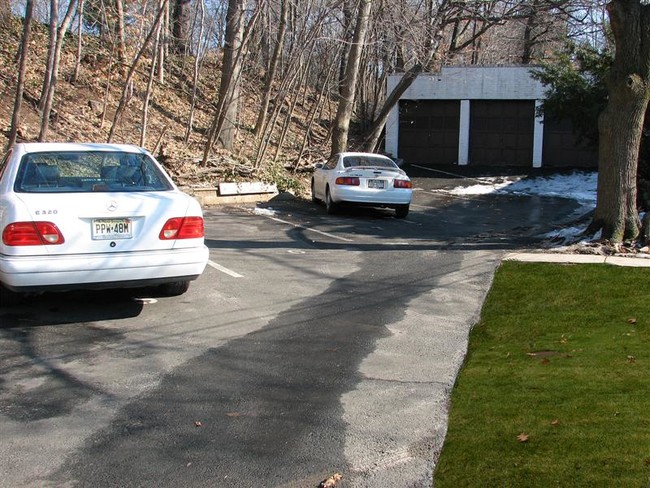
column 577, row 91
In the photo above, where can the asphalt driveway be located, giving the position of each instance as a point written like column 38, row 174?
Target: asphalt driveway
column 312, row 344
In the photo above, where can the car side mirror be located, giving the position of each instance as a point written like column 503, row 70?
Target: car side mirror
column 319, row 165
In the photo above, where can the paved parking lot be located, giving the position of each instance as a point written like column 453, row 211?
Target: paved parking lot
column 312, row 344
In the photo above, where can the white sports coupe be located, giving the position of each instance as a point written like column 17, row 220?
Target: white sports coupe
column 94, row 216
column 355, row 178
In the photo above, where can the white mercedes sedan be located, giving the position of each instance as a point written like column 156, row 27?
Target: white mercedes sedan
column 94, row 216
column 366, row 179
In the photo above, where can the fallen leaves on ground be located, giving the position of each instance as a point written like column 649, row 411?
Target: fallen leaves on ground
column 331, row 481
column 523, row 437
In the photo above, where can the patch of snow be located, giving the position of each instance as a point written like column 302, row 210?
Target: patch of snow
column 268, row 212
column 484, row 188
column 579, row 186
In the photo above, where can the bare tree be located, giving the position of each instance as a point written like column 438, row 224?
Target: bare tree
column 621, row 123
column 349, row 84
column 149, row 90
column 163, row 45
column 49, row 83
column 237, row 35
column 198, row 58
column 20, row 85
column 49, row 63
column 269, row 78
column 121, row 35
column 447, row 27
column 305, row 34
column 80, row 23
column 132, row 70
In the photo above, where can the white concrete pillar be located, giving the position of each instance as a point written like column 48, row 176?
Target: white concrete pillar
column 463, row 134
column 538, row 135
column 392, row 132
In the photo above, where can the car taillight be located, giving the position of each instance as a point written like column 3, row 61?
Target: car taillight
column 182, row 228
column 347, row 180
column 402, row 184
column 32, row 234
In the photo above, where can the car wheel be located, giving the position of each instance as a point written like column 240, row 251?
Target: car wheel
column 313, row 192
column 175, row 288
column 8, row 297
column 402, row 211
column 330, row 205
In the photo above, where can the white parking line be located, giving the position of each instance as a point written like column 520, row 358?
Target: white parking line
column 298, row 226
column 223, row 269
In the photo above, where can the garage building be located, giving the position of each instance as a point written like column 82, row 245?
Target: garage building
column 487, row 116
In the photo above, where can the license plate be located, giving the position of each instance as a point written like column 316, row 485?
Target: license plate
column 379, row 184
column 111, row 229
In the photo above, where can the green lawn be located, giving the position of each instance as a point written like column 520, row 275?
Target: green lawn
column 562, row 356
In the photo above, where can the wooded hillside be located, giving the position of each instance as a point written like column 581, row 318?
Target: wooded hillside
column 224, row 88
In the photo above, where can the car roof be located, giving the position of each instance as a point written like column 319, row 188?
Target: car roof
column 33, row 147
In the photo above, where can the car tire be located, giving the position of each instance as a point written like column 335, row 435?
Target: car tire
column 402, row 211
column 175, row 288
column 331, row 206
column 313, row 192
column 8, row 297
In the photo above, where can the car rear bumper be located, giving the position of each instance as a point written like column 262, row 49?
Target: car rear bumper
column 350, row 194
column 34, row 273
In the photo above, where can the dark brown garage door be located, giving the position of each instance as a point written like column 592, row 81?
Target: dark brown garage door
column 562, row 148
column 501, row 132
column 428, row 131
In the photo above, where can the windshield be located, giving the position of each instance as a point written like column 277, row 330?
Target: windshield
column 354, row 161
column 79, row 172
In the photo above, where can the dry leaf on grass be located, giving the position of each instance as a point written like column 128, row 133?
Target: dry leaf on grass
column 523, row 437
column 631, row 321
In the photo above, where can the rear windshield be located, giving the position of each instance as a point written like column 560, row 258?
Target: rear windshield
column 79, row 172
column 354, row 161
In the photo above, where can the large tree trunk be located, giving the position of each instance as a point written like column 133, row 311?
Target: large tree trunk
column 620, row 124
column 181, row 26
column 349, row 84
column 232, row 67
column 224, row 125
